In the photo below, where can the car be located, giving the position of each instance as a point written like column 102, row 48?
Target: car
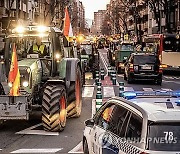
column 143, row 66
column 139, row 123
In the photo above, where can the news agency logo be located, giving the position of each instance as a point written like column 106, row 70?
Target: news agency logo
column 106, row 139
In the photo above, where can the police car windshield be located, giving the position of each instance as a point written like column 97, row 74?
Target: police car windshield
column 144, row 59
column 164, row 137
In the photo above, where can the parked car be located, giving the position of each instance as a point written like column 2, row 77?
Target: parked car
column 143, row 66
column 144, row 124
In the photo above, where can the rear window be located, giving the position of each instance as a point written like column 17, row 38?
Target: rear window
column 127, row 48
column 144, row 59
column 88, row 48
column 164, row 137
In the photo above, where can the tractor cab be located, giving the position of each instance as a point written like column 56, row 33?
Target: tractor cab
column 122, row 53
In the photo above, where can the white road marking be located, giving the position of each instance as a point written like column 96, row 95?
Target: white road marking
column 147, row 89
column 50, row 150
column 120, row 75
column 108, row 91
column 88, row 92
column 171, row 81
column 0, row 149
column 166, row 89
column 128, row 89
column 77, row 149
column 30, row 131
column 168, row 77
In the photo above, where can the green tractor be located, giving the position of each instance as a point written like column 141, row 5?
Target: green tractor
column 50, row 84
column 121, row 55
column 89, row 57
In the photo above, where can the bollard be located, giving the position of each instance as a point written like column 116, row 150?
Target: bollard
column 114, row 79
column 113, row 74
column 109, row 70
column 102, row 74
column 99, row 86
column 98, row 100
column 121, row 89
column 97, row 77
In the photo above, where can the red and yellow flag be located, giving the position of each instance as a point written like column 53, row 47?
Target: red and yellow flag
column 14, row 75
column 67, row 25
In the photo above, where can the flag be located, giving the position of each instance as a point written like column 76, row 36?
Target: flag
column 14, row 75
column 67, row 25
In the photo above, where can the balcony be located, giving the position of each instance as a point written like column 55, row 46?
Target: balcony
column 3, row 12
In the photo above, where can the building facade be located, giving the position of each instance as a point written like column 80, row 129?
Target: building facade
column 98, row 21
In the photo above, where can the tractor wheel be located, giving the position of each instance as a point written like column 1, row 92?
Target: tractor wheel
column 54, row 108
column 75, row 97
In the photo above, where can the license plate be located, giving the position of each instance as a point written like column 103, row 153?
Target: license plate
column 146, row 67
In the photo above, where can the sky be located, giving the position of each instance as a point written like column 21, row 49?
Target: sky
column 92, row 6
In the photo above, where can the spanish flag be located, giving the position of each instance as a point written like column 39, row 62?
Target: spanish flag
column 67, row 25
column 14, row 75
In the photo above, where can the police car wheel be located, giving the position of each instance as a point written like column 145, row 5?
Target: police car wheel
column 54, row 108
column 85, row 147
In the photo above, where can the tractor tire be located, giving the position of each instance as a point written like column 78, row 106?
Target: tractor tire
column 54, row 108
column 75, row 97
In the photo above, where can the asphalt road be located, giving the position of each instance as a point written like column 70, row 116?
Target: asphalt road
column 29, row 137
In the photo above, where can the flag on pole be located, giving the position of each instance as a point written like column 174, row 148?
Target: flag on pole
column 67, row 25
column 14, row 75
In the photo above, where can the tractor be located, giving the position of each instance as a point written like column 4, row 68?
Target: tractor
column 50, row 84
column 89, row 56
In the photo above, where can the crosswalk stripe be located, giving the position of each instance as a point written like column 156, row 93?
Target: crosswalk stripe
column 108, row 91
column 88, row 92
column 166, row 89
column 128, row 89
column 147, row 89
column 50, row 150
column 77, row 149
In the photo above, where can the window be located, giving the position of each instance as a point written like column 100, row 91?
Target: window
column 144, row 59
column 117, row 120
column 105, row 116
column 134, row 128
column 164, row 136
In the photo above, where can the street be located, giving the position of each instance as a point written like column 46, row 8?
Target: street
column 29, row 137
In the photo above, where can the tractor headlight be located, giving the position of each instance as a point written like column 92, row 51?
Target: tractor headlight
column 42, row 29
column 25, row 84
column 57, row 56
column 10, row 84
column 20, row 29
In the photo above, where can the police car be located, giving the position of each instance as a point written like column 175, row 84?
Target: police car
column 139, row 123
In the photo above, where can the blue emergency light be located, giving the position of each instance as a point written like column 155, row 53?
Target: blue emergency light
column 133, row 94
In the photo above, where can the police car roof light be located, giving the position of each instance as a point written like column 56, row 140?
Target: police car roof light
column 130, row 95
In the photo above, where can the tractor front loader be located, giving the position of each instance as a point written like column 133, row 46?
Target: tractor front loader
column 49, row 83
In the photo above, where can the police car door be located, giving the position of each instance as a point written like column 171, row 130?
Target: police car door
column 100, row 129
